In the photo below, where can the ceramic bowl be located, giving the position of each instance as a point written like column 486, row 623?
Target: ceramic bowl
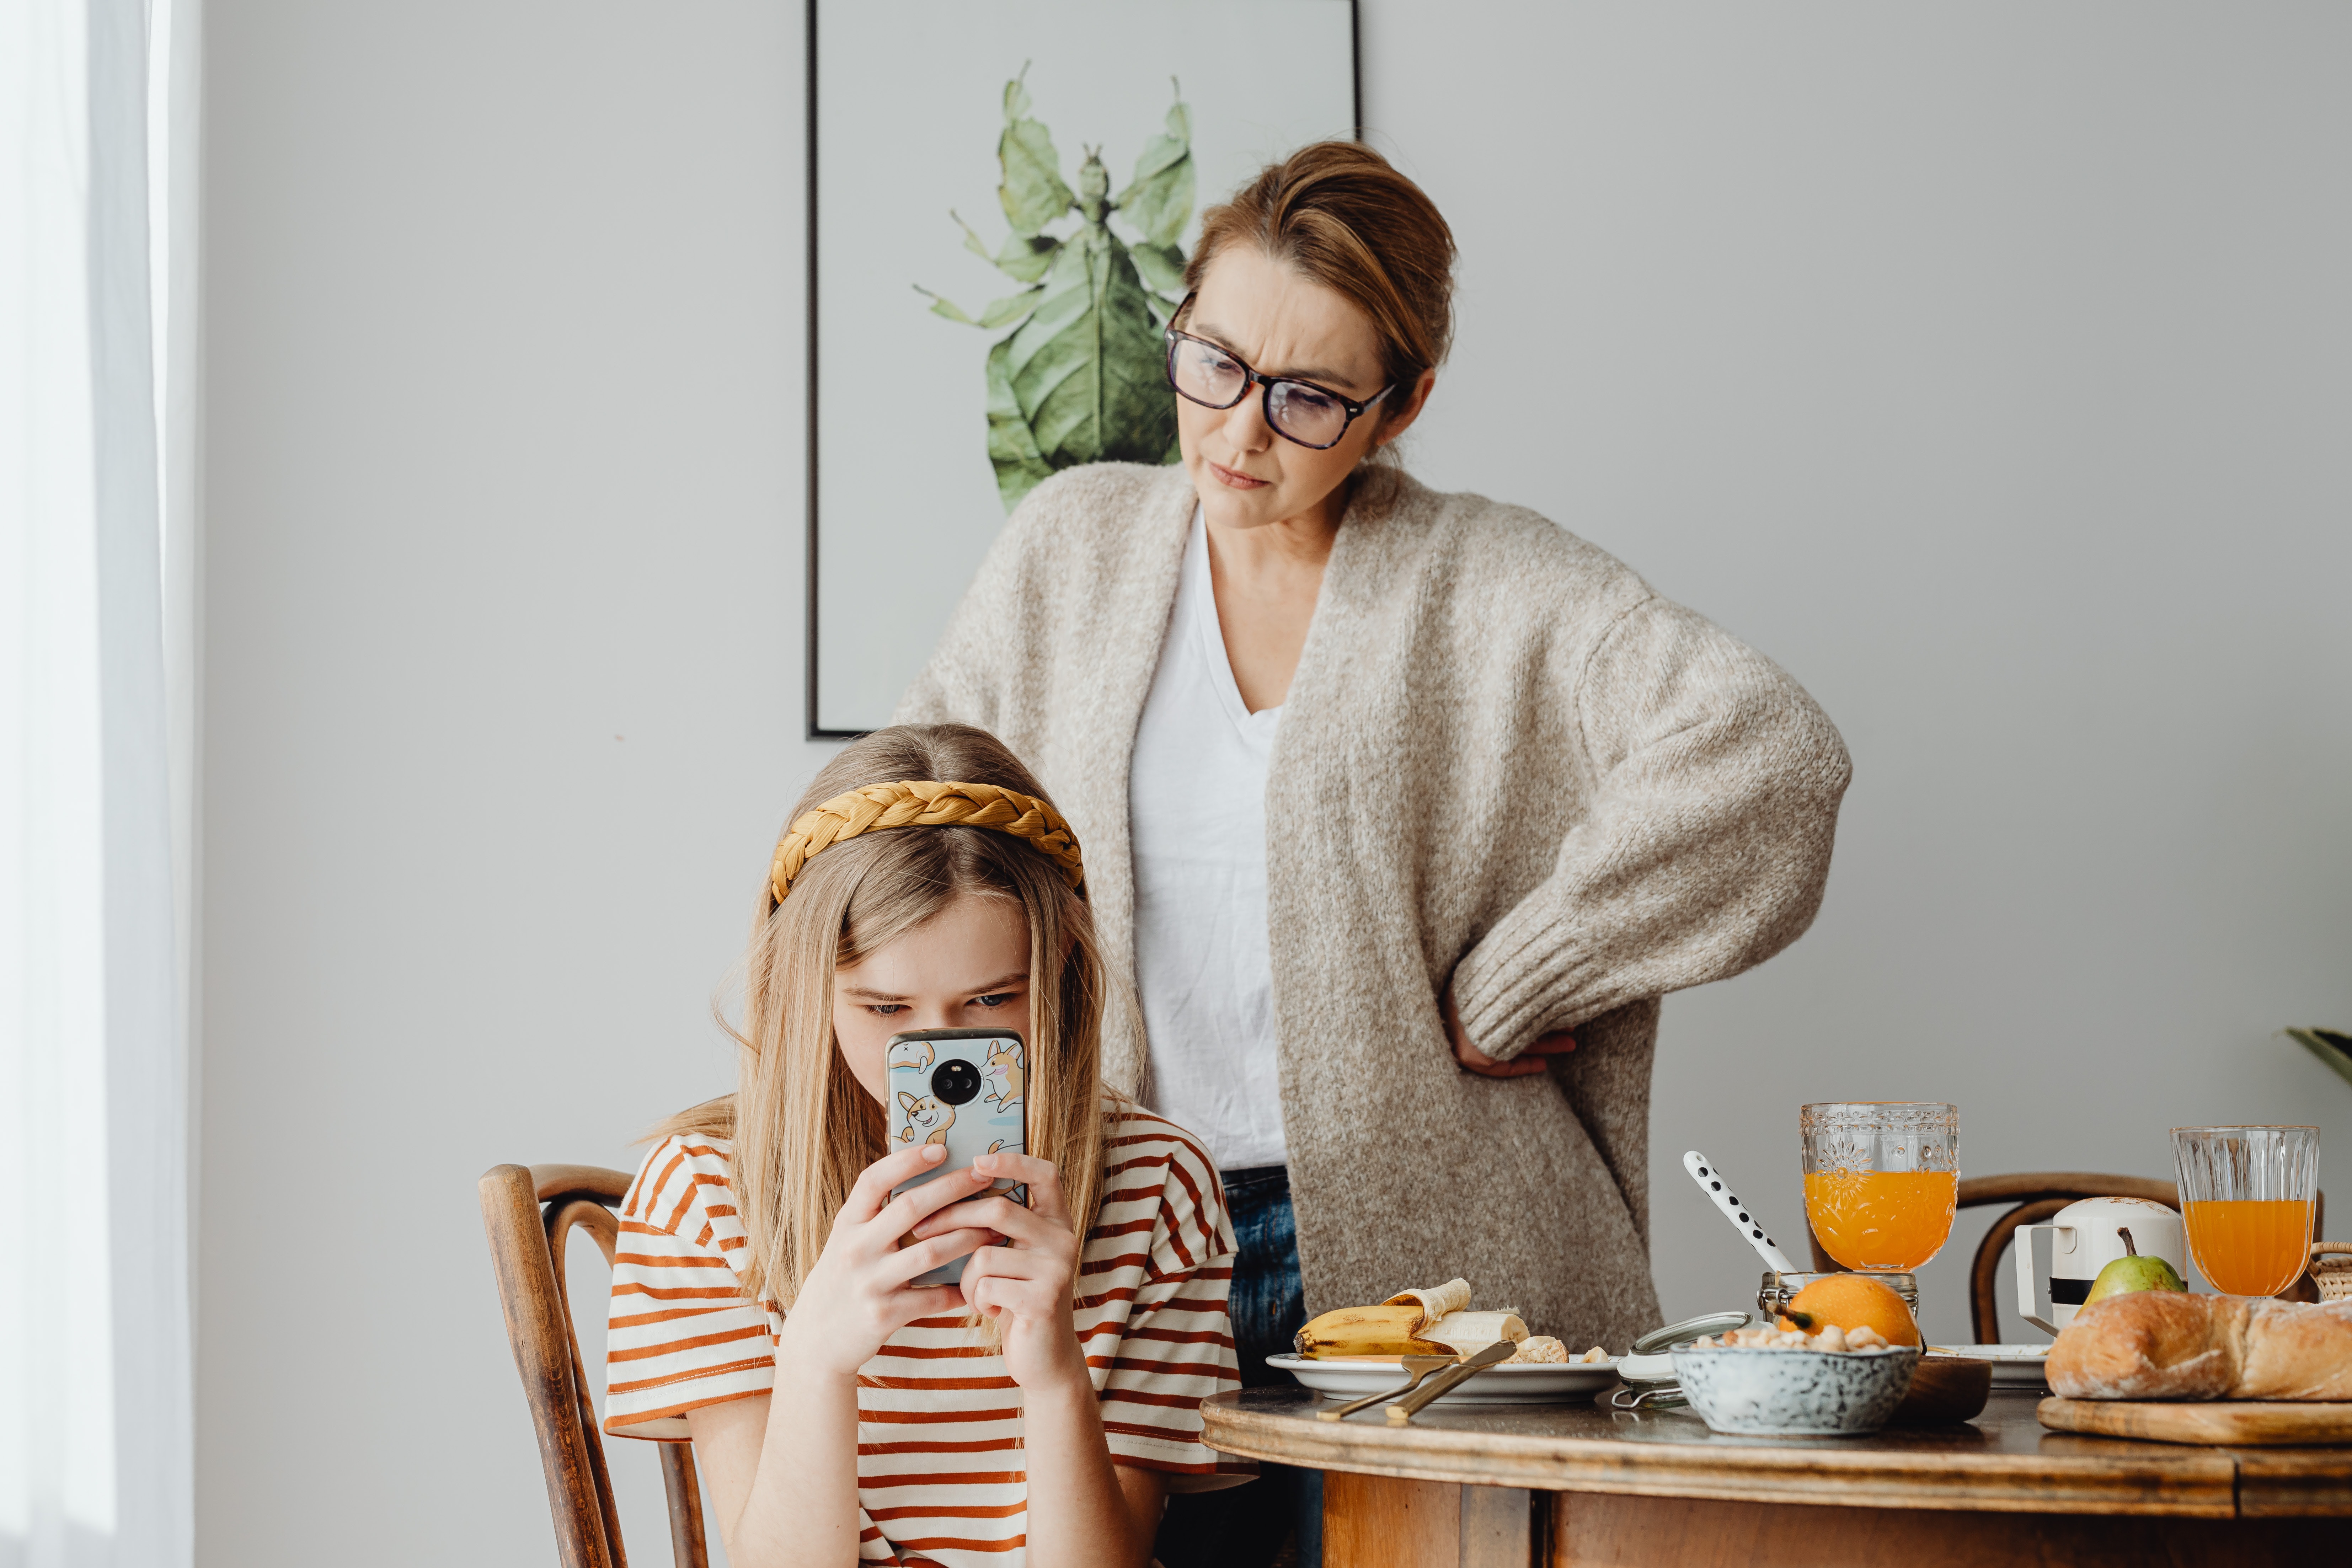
column 1762, row 1393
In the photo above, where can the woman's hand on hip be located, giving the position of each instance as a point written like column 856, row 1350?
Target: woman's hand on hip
column 1526, row 1063
column 857, row 1295
column 1025, row 1289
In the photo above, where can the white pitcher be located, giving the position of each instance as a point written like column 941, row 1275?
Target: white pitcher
column 2087, row 1237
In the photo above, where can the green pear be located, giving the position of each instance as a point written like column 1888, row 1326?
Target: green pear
column 2134, row 1272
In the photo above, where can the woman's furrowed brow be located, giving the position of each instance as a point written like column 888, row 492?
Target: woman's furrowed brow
column 1307, row 373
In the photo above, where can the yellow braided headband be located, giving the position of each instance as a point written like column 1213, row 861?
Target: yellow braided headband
column 923, row 803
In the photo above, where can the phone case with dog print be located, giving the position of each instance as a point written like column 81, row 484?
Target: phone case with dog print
column 963, row 1089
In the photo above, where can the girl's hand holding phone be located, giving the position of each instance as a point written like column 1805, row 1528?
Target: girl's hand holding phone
column 857, row 1295
column 1024, row 1288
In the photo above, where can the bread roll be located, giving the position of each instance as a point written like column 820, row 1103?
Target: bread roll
column 2296, row 1350
column 2164, row 1344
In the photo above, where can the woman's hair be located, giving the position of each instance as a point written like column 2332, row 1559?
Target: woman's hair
column 803, row 1127
column 1342, row 215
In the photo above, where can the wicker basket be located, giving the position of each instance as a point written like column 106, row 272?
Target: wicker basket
column 2331, row 1270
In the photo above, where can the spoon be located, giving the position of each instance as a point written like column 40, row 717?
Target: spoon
column 1717, row 1186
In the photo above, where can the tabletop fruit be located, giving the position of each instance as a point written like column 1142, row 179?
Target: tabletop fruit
column 1852, row 1301
column 1367, row 1331
column 2133, row 1272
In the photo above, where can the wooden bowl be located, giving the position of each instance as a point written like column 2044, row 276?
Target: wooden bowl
column 1944, row 1389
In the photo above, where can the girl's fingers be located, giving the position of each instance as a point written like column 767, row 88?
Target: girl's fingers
column 1012, row 1166
column 931, row 1301
column 1044, row 1181
column 872, row 1189
column 994, row 1293
column 917, row 1204
column 1025, row 1227
column 925, row 1256
column 1016, row 1263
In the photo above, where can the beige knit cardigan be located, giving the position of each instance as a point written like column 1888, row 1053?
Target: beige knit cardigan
column 1503, row 760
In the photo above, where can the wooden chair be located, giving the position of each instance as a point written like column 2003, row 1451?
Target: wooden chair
column 529, row 1214
column 2037, row 1195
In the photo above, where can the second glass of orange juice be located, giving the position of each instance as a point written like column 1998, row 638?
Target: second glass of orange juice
column 2247, row 1195
column 1881, row 1180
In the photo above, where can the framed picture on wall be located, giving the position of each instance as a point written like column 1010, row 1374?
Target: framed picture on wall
column 1003, row 195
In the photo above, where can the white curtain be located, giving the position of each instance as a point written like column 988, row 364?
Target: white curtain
column 97, row 592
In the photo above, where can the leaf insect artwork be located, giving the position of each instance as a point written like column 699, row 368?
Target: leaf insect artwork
column 1080, row 377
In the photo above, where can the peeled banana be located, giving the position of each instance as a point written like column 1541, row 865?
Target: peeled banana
column 1467, row 1333
column 1367, row 1330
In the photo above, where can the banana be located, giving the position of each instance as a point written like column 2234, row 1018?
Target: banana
column 1367, row 1330
column 1467, row 1333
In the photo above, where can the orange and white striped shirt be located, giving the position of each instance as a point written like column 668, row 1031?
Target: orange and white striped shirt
column 940, row 1474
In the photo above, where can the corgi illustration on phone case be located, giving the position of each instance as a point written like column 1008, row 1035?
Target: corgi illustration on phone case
column 965, row 1091
column 1003, row 1075
column 926, row 1116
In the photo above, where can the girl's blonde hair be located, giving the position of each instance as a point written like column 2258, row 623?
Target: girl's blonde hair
column 803, row 1126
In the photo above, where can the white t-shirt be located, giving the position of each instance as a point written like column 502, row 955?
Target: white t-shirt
column 1196, row 808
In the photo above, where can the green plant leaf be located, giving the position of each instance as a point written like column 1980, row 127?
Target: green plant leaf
column 1159, row 200
column 999, row 313
column 1087, row 366
column 1161, row 266
column 1027, row 256
column 1011, row 308
column 2328, row 1045
column 1033, row 192
column 1080, row 379
column 1012, row 449
column 1024, row 256
column 943, row 306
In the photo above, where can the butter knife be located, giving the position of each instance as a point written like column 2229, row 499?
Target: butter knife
column 1420, row 1366
column 1452, row 1377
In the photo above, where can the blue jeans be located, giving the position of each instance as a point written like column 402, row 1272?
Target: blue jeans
column 1244, row 1527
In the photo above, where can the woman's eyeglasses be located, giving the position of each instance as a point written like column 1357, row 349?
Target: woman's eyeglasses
column 1299, row 411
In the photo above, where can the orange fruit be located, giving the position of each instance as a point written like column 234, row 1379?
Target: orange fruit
column 1855, row 1302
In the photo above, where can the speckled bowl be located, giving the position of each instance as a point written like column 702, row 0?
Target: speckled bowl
column 1761, row 1392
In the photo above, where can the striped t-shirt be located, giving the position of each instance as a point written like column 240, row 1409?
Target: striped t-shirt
column 940, row 1476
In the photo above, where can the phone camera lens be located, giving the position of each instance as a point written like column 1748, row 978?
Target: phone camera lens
column 955, row 1081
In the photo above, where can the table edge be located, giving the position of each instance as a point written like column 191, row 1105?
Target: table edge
column 2170, row 1479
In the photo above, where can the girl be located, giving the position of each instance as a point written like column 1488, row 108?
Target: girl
column 1037, row 1412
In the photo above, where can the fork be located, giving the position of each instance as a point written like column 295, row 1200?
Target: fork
column 1494, row 1354
column 1420, row 1366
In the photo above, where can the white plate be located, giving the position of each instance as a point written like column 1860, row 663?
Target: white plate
column 2014, row 1366
column 1536, row 1382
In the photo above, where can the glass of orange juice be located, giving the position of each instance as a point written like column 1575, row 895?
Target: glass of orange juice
column 2247, row 1195
column 1882, row 1179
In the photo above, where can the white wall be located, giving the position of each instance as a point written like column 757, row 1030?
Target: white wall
column 1984, row 365
column 504, row 480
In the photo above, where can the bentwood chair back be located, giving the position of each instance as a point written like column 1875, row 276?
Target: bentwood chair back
column 2036, row 1195
column 528, row 1213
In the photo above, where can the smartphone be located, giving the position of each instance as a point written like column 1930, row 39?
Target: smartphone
column 964, row 1089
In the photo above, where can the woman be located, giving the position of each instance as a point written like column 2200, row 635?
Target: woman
column 1385, row 791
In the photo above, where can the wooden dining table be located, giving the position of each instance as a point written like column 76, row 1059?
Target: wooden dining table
column 1498, row 1486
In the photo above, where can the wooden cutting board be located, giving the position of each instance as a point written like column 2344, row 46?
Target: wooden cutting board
column 2239, row 1424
